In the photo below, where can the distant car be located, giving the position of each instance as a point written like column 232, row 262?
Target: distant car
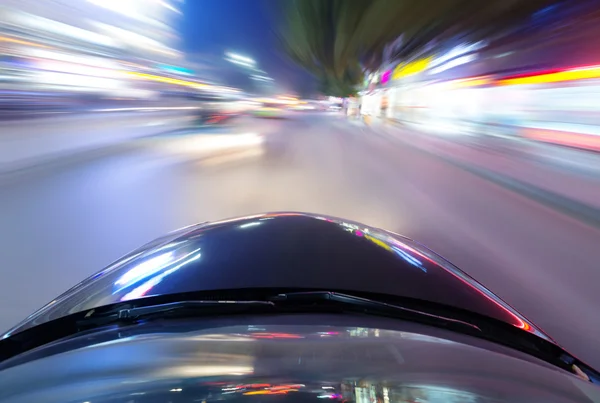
column 270, row 110
column 285, row 307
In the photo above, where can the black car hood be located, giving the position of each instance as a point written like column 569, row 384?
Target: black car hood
column 282, row 250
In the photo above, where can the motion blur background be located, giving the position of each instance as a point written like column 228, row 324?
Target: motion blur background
column 473, row 128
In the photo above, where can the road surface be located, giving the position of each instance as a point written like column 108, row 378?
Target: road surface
column 63, row 221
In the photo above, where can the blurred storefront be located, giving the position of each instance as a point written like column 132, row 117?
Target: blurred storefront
column 545, row 84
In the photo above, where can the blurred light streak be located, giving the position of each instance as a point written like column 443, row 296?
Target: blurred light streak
column 240, row 58
column 268, row 392
column 140, row 291
column 145, row 269
column 137, row 40
column 83, row 60
column 131, row 8
column 22, row 42
column 276, row 336
column 379, row 243
column 169, row 6
column 566, row 128
column 385, row 77
column 233, row 156
column 177, row 70
column 455, row 52
column 168, row 80
column 411, row 68
column 471, row 82
column 571, row 139
column 154, row 108
column 409, row 259
column 202, row 369
column 453, row 63
column 578, row 73
column 261, row 78
column 40, row 24
column 80, row 70
column 518, row 321
column 240, row 63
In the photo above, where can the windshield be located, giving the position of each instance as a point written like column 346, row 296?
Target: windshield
column 471, row 127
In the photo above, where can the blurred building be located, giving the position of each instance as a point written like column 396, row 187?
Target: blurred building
column 87, row 47
column 143, row 30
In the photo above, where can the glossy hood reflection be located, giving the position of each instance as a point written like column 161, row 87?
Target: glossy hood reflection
column 318, row 358
column 282, row 250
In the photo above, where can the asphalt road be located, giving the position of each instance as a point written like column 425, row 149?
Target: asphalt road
column 63, row 221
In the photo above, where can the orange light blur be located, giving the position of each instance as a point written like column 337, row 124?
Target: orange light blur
column 269, row 392
column 289, row 100
column 471, row 82
column 287, row 387
column 21, row 42
column 578, row 140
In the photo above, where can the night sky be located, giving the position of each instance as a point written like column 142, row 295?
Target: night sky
column 212, row 27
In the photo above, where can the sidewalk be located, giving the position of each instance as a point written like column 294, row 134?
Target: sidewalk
column 523, row 166
column 28, row 143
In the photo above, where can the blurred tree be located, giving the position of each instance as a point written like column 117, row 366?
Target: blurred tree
column 338, row 40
